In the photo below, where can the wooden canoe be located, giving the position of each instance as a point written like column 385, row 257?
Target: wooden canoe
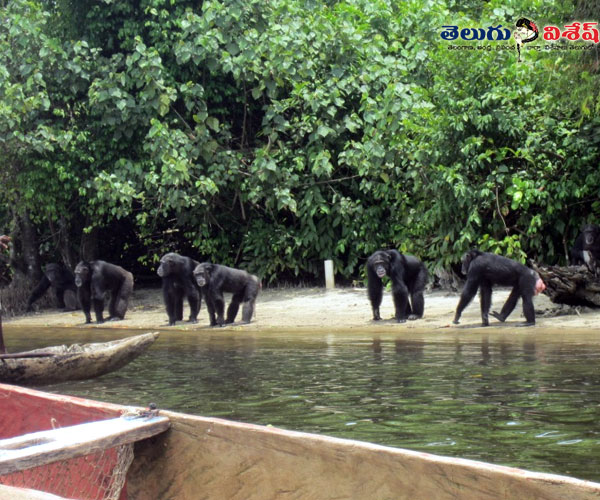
column 201, row 458
column 55, row 364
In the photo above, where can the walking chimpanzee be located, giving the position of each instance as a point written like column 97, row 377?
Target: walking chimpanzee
column 484, row 270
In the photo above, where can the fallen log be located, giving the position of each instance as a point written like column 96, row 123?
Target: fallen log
column 571, row 285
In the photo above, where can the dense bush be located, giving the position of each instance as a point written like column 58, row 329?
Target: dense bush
column 273, row 135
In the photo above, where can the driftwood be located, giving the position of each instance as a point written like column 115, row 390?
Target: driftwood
column 571, row 285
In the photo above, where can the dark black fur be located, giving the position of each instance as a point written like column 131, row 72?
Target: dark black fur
column 177, row 273
column 94, row 279
column 61, row 280
column 483, row 270
column 409, row 277
column 214, row 279
column 576, row 252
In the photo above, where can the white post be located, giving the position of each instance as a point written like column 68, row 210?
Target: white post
column 329, row 281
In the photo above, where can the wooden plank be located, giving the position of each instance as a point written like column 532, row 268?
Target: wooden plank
column 40, row 448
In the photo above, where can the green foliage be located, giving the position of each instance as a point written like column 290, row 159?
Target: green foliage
column 41, row 82
column 273, row 135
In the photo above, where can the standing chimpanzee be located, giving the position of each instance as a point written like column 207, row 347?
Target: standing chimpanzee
column 94, row 279
column 483, row 270
column 177, row 273
column 408, row 275
column 62, row 280
column 214, row 279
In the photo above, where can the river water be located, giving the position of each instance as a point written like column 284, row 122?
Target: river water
column 530, row 400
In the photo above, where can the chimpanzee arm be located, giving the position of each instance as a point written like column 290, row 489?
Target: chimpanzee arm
column 38, row 291
column 375, row 291
column 469, row 291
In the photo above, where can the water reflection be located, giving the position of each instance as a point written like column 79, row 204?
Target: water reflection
column 508, row 399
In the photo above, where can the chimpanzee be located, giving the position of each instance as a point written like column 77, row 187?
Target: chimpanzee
column 61, row 280
column 94, row 279
column 586, row 249
column 408, row 275
column 214, row 279
column 591, row 247
column 483, row 270
column 177, row 273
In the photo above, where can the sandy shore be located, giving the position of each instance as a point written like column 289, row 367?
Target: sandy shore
column 319, row 310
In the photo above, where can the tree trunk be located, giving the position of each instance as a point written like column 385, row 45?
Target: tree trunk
column 62, row 241
column 30, row 254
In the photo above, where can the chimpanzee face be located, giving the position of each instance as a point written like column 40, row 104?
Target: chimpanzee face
column 202, row 274
column 52, row 272
column 381, row 264
column 82, row 274
column 469, row 257
column 589, row 234
column 168, row 264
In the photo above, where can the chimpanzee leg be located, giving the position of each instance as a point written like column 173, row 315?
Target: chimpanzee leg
column 400, row 294
column 98, row 298
column 122, row 298
column 417, row 298
column 211, row 310
column 178, row 306
column 527, row 287
column 193, row 297
column 485, row 292
column 83, row 295
column 170, row 300
column 509, row 305
column 112, row 305
column 98, row 308
column 234, row 306
column 249, row 300
column 248, row 310
column 528, row 309
column 469, row 291
column 418, row 305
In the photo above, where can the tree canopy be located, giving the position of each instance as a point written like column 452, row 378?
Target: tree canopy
column 273, row 135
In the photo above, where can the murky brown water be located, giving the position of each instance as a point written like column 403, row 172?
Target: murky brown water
column 524, row 399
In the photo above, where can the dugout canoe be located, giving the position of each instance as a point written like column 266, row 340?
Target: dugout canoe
column 202, row 458
column 55, row 364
